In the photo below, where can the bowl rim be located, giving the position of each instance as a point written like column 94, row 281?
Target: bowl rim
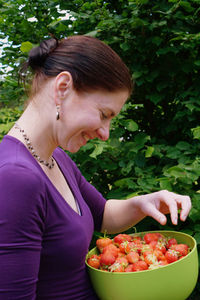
column 156, row 269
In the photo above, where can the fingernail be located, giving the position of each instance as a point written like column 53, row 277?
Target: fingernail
column 162, row 220
column 183, row 218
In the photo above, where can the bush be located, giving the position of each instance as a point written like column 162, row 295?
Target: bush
column 154, row 142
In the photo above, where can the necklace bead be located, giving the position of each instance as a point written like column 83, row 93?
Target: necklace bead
column 31, row 149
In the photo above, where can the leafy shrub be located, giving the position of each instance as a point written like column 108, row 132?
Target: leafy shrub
column 154, row 142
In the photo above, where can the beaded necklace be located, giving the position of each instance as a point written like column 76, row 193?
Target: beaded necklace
column 50, row 165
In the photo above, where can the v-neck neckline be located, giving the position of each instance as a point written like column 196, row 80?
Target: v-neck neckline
column 65, row 175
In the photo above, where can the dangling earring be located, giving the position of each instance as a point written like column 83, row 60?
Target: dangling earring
column 57, row 112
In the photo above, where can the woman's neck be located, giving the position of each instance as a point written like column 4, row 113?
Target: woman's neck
column 38, row 129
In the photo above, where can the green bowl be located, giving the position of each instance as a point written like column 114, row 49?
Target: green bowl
column 175, row 281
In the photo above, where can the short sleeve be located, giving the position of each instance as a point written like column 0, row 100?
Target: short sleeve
column 22, row 221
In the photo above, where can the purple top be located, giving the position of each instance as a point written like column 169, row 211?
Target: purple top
column 43, row 241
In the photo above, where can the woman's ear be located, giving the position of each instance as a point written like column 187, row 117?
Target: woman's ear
column 63, row 84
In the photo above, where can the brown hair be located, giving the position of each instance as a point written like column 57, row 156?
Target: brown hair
column 92, row 64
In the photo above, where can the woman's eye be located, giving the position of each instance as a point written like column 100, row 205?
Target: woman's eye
column 103, row 116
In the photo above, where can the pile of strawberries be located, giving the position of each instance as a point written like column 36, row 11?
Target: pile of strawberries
column 126, row 253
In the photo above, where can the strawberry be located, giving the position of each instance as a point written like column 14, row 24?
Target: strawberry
column 171, row 242
column 150, row 259
column 158, row 245
column 163, row 262
column 182, row 249
column 129, row 268
column 121, row 237
column 132, row 257
column 124, row 247
column 171, row 256
column 112, row 249
column 149, row 237
column 107, row 259
column 123, row 261
column 103, row 242
column 139, row 266
column 116, row 267
column 94, row 261
column 159, row 254
column 126, row 253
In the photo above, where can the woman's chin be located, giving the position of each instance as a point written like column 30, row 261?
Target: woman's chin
column 73, row 149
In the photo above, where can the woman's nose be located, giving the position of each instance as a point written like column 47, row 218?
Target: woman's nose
column 103, row 132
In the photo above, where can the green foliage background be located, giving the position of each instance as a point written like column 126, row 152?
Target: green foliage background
column 155, row 141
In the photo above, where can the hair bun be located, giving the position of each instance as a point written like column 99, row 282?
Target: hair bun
column 38, row 54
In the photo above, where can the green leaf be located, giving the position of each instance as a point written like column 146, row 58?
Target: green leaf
column 149, row 151
column 176, row 172
column 186, row 5
column 173, row 153
column 142, row 138
column 125, row 46
column 125, row 183
column 165, row 183
column 26, row 47
column 4, row 128
column 197, row 63
column 142, row 1
column 97, row 151
column 157, row 40
column 137, row 74
column 92, row 33
column 131, row 125
column 155, row 98
column 183, row 145
column 196, row 132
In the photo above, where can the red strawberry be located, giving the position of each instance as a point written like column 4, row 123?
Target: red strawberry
column 171, row 255
column 182, row 249
column 107, row 259
column 139, row 266
column 116, row 267
column 112, row 249
column 129, row 268
column 121, row 237
column 123, row 261
column 103, row 242
column 124, row 247
column 149, row 237
column 171, row 242
column 94, row 261
column 132, row 257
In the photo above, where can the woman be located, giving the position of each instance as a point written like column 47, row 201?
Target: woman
column 48, row 211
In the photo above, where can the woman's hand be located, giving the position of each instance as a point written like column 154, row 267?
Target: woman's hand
column 158, row 204
column 119, row 215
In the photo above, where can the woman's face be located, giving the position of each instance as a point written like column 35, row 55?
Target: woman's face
column 85, row 116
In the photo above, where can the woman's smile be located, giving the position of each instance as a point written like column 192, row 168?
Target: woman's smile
column 82, row 119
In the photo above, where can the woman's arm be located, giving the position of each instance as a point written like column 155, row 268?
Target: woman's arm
column 119, row 215
column 22, row 214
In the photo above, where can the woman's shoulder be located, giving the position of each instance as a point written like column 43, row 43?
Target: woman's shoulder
column 17, row 174
column 16, row 162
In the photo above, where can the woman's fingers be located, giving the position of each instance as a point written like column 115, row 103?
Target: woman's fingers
column 185, row 205
column 150, row 210
column 163, row 202
column 174, row 201
column 173, row 208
